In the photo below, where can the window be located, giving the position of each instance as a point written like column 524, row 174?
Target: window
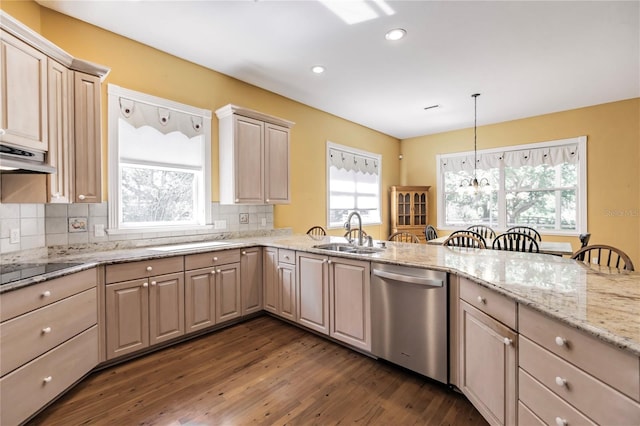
column 159, row 151
column 353, row 179
column 539, row 185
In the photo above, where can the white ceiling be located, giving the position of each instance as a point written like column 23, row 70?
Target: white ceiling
column 525, row 58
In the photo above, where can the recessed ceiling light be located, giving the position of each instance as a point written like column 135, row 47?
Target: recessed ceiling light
column 395, row 34
column 317, row 69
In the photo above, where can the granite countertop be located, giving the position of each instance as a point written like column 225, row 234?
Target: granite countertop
column 601, row 303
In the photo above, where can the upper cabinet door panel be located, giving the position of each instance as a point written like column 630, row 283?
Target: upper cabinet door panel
column 23, row 108
column 248, row 156
column 276, row 164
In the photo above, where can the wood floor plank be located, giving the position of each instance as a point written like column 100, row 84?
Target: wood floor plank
column 263, row 371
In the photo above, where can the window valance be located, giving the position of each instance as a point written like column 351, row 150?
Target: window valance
column 353, row 162
column 164, row 120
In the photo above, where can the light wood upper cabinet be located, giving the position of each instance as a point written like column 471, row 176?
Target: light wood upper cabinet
column 254, row 157
column 61, row 153
column 23, row 105
column 409, row 209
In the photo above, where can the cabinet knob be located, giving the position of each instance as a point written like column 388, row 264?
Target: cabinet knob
column 46, row 330
column 218, row 271
column 81, row 197
column 561, row 422
column 286, row 257
column 2, row 132
column 145, row 285
column 237, row 200
column 507, row 341
column 560, row 381
column 329, row 262
column 561, row 341
column 482, row 300
column 244, row 253
column 267, row 200
column 46, row 293
column 213, row 272
column 278, row 268
column 215, row 259
column 149, row 268
column 153, row 283
column 47, row 379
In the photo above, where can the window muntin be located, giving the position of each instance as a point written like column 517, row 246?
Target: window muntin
column 353, row 182
column 158, row 163
column 538, row 185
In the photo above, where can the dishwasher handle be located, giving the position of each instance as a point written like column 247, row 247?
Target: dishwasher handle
column 408, row 278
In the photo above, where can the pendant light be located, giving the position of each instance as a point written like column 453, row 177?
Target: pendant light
column 474, row 184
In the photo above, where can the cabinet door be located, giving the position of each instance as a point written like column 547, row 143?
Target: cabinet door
column 271, row 291
column 166, row 307
column 127, row 311
column 251, row 280
column 419, row 209
column 313, row 291
column 199, row 293
column 228, row 305
column 349, row 292
column 87, row 135
column 287, row 289
column 276, row 157
column 248, row 154
column 60, row 156
column 488, row 365
column 23, row 86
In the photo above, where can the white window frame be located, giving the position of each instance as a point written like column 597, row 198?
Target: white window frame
column 581, row 204
column 354, row 151
column 114, row 178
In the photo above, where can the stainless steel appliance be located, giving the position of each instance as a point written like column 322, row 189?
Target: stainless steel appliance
column 21, row 160
column 409, row 318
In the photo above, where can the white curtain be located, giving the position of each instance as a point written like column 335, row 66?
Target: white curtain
column 165, row 120
column 350, row 161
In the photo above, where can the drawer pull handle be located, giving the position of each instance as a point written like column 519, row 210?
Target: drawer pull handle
column 149, row 268
column 46, row 293
column 507, row 341
column 215, row 259
column 47, row 379
column 145, row 285
column 561, row 422
column 244, row 253
column 153, row 283
column 561, row 341
column 329, row 262
column 560, row 381
column 218, row 271
column 46, row 330
column 213, row 272
column 81, row 197
column 482, row 300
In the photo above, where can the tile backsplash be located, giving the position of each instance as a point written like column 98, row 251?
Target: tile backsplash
column 48, row 225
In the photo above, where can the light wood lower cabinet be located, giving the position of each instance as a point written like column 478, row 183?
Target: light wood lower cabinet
column 313, row 291
column 251, row 280
column 279, row 283
column 488, row 365
column 350, row 302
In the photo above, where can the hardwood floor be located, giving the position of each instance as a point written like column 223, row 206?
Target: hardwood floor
column 263, row 371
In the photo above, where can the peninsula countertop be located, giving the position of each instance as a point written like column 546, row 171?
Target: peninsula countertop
column 602, row 303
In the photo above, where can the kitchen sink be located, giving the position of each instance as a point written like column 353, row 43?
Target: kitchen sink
column 189, row 246
column 348, row 248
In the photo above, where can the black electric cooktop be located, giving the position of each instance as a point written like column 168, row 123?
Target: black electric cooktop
column 19, row 271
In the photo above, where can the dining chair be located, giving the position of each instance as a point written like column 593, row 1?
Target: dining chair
column 430, row 232
column 462, row 239
column 316, row 231
column 526, row 230
column 404, row 237
column 353, row 234
column 584, row 241
column 515, row 241
column 472, row 233
column 604, row 255
column 483, row 230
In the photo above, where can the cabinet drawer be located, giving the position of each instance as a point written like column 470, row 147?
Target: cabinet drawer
column 205, row 260
column 526, row 417
column 35, row 296
column 590, row 354
column 545, row 405
column 286, row 256
column 26, row 390
column 496, row 305
column 144, row 268
column 595, row 399
column 28, row 336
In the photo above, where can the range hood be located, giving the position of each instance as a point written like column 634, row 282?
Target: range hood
column 20, row 160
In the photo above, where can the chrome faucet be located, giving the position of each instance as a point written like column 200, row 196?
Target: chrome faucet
column 347, row 226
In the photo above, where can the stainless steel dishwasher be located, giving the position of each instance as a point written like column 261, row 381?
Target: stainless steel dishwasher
column 409, row 318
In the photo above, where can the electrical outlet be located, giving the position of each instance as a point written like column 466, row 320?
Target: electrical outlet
column 98, row 230
column 14, row 236
column 264, row 221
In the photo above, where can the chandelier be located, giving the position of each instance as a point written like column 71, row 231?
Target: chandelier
column 474, row 184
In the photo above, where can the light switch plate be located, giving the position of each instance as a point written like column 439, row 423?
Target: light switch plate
column 98, row 230
column 14, row 236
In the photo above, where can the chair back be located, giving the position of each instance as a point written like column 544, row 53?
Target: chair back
column 483, row 230
column 316, row 230
column 430, row 232
column 404, row 237
column 464, row 239
column 515, row 241
column 526, row 230
column 472, row 233
column 353, row 234
column 603, row 255
column 584, row 240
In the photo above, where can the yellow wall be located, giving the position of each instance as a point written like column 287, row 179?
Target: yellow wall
column 139, row 67
column 613, row 163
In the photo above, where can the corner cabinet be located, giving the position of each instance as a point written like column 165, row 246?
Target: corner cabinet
column 254, row 157
column 409, row 209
